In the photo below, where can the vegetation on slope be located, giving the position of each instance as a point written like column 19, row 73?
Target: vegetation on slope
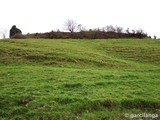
column 79, row 79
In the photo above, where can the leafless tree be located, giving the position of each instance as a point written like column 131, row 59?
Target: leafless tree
column 3, row 32
column 70, row 25
column 119, row 29
column 110, row 28
column 133, row 31
column 127, row 30
column 139, row 31
column 79, row 27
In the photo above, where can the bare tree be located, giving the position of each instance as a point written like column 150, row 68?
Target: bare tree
column 4, row 33
column 119, row 29
column 133, row 31
column 110, row 28
column 139, row 31
column 79, row 27
column 70, row 25
column 127, row 31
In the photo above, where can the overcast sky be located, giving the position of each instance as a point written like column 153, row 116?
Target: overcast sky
column 45, row 15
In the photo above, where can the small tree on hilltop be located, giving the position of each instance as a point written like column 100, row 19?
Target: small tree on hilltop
column 110, row 28
column 127, row 31
column 119, row 29
column 14, row 30
column 3, row 32
column 70, row 25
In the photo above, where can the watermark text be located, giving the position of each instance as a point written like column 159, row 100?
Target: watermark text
column 142, row 115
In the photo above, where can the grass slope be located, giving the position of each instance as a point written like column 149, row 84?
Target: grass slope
column 79, row 79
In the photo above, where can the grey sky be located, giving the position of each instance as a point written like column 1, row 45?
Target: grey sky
column 45, row 15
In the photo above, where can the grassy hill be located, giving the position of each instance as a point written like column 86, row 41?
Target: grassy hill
column 79, row 79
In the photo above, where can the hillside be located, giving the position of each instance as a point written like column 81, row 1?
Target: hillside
column 79, row 79
column 118, row 53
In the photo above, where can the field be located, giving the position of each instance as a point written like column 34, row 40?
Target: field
column 43, row 79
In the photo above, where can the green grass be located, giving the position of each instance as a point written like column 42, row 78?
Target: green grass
column 79, row 79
